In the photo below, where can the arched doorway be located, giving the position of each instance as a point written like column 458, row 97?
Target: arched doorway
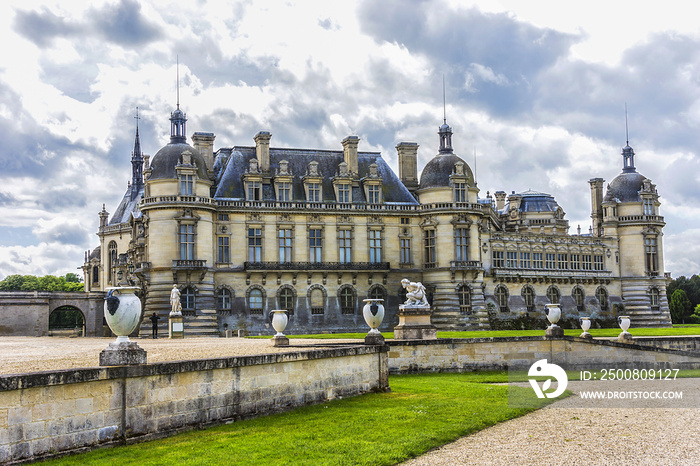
column 67, row 321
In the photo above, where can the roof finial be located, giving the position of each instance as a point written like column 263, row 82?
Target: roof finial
column 474, row 165
column 178, row 81
column 444, row 101
column 137, row 118
column 627, row 131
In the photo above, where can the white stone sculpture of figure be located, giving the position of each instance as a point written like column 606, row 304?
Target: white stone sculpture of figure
column 175, row 300
column 415, row 293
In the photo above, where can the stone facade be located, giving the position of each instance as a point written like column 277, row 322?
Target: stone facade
column 246, row 229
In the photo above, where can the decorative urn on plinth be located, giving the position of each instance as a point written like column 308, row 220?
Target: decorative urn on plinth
column 279, row 323
column 585, row 325
column 373, row 312
column 553, row 312
column 122, row 310
column 625, row 336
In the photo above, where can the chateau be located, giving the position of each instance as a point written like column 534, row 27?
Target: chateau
column 246, row 229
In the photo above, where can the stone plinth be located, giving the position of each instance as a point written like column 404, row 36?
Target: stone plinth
column 124, row 353
column 176, row 327
column 554, row 331
column 280, row 341
column 625, row 337
column 414, row 323
column 586, row 335
column 375, row 338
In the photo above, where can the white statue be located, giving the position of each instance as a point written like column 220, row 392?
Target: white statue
column 415, row 293
column 175, row 301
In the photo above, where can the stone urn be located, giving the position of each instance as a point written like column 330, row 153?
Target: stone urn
column 373, row 312
column 585, row 326
column 279, row 323
column 122, row 310
column 625, row 336
column 553, row 312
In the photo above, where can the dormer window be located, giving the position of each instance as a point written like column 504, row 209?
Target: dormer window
column 186, row 185
column 344, row 194
column 648, row 206
column 459, row 180
column 254, row 192
column 460, row 192
column 284, row 192
column 312, row 182
column 252, row 179
column 373, row 185
column 373, row 194
column 314, row 192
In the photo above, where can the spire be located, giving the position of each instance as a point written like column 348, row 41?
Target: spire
column 627, row 151
column 136, row 162
column 178, row 117
column 445, row 131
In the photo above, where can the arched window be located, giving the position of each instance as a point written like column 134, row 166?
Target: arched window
column 347, row 301
column 95, row 275
column 602, row 295
column 528, row 294
column 317, row 301
column 377, row 292
column 464, row 293
column 654, row 298
column 187, row 300
column 502, row 298
column 255, row 302
column 286, row 300
column 112, row 261
column 553, row 295
column 223, row 299
column 578, row 296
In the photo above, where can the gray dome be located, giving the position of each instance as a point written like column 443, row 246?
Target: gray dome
column 533, row 201
column 436, row 173
column 625, row 187
column 163, row 163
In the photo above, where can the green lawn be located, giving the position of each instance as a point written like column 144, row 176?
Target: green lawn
column 677, row 330
column 420, row 413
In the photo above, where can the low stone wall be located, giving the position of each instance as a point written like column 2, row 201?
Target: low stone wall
column 48, row 413
column 682, row 343
column 472, row 354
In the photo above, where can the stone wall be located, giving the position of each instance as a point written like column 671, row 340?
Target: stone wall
column 48, row 413
column 682, row 343
column 472, row 354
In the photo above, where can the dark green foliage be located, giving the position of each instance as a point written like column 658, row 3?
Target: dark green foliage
column 691, row 287
column 69, row 282
column 66, row 317
column 680, row 306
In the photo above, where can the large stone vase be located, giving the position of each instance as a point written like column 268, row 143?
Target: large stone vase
column 122, row 310
column 373, row 312
column 279, row 323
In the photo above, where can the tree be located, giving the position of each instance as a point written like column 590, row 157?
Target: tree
column 680, row 307
column 71, row 282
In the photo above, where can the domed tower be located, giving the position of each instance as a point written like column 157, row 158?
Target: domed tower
column 179, row 214
column 452, row 268
column 629, row 211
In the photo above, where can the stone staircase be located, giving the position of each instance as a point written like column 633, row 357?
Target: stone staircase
column 204, row 324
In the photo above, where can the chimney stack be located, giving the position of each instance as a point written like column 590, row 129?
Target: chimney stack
column 408, row 164
column 596, row 204
column 262, row 150
column 350, row 153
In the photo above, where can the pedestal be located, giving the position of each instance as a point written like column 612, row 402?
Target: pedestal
column 176, row 327
column 625, row 337
column 375, row 338
column 554, row 331
column 586, row 335
column 279, row 341
column 122, row 354
column 414, row 324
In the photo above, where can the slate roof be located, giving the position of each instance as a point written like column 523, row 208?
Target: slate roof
column 533, row 201
column 625, row 187
column 436, row 173
column 126, row 207
column 230, row 181
column 163, row 163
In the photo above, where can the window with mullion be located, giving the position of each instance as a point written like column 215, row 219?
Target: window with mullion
column 285, row 244
column 186, row 242
column 224, row 253
column 344, row 246
column 254, row 245
column 461, row 244
column 314, row 190
column 460, row 192
column 405, row 251
column 524, row 260
column 186, row 185
column 344, row 193
column 315, row 248
column 430, row 255
column 284, row 191
column 375, row 246
column 373, row 194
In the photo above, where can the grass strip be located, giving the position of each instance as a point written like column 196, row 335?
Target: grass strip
column 421, row 412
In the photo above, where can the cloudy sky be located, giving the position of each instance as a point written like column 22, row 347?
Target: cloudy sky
column 537, row 89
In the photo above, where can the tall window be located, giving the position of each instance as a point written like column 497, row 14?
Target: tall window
column 254, row 191
column 528, row 294
column 344, row 246
column 502, row 298
column 549, row 261
column 650, row 250
column 284, row 191
column 405, row 250
column 187, row 299
column 578, row 298
column 347, row 301
column 598, row 262
column 343, row 193
column 317, row 301
column 654, row 299
column 223, row 299
column 498, row 259
column 602, row 296
column 648, row 207
column 186, row 242
column 586, row 262
column 315, row 245
column 524, row 260
column 464, row 293
column 287, row 300
column 511, row 259
column 430, row 256
column 460, row 192
column 575, row 261
column 537, row 260
column 95, row 274
column 553, row 295
column 284, row 237
column 254, row 245
column 186, row 185
column 314, row 190
column 562, row 261
column 375, row 246
column 461, row 244
column 255, row 302
column 112, row 257
column 373, row 193
column 224, row 253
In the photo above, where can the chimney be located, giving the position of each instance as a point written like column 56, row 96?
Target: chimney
column 204, row 143
column 104, row 217
column 408, row 164
column 596, row 204
column 500, row 200
column 262, row 150
column 350, row 153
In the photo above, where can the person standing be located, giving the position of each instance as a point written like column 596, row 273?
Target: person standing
column 154, row 325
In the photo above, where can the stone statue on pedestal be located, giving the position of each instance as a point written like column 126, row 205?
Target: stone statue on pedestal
column 175, row 301
column 415, row 293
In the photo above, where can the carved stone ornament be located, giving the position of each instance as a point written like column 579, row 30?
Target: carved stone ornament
column 254, row 217
column 253, row 166
column 345, row 219
column 343, row 169
column 312, row 168
column 373, row 171
column 284, row 168
column 187, row 157
column 459, row 169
